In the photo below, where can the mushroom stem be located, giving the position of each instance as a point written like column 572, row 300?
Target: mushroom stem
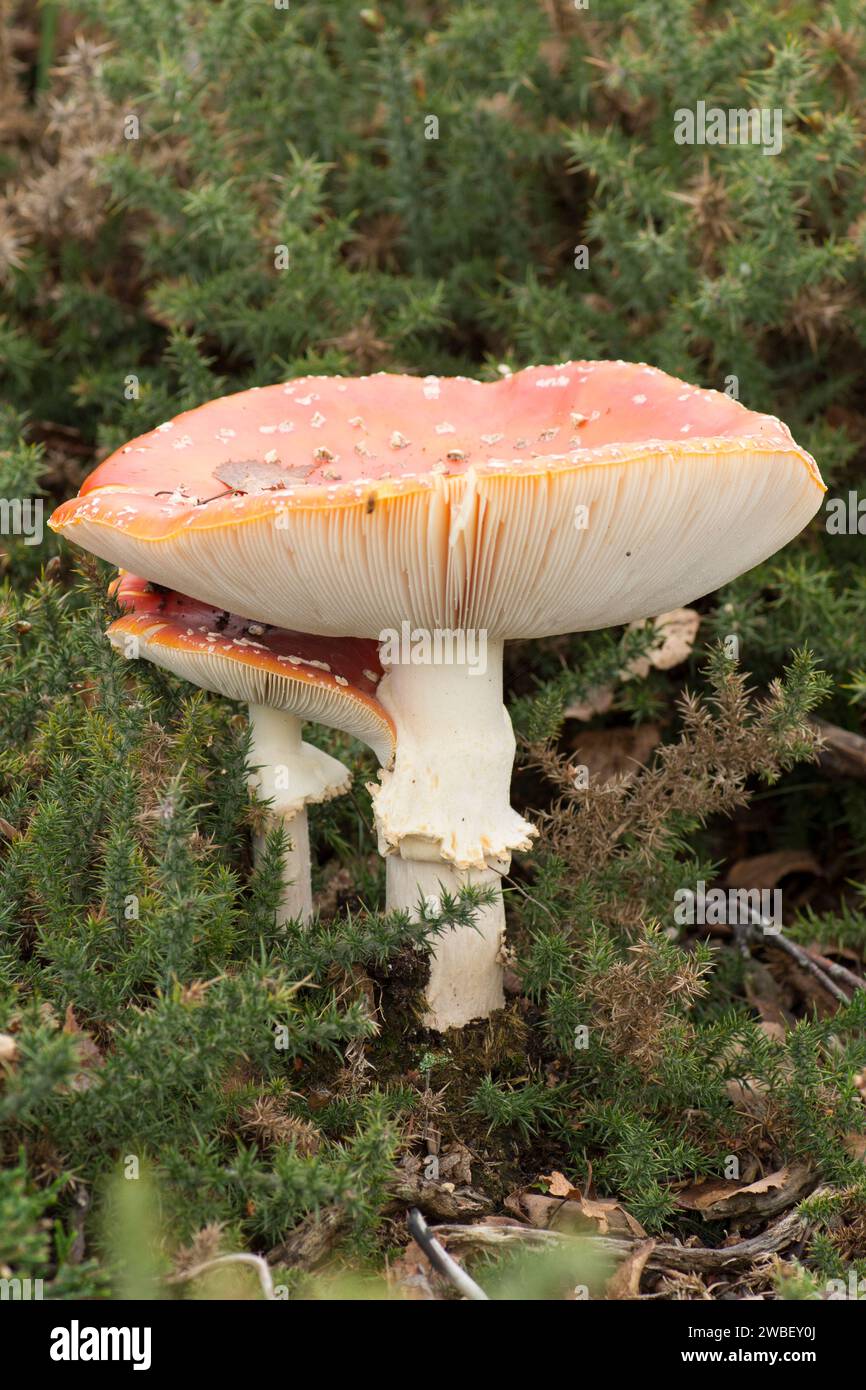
column 466, row 964
column 444, row 819
column 290, row 774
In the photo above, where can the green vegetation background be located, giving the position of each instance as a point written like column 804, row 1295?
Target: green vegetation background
column 138, row 279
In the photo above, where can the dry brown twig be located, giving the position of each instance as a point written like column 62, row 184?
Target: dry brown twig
column 790, row 1228
column 255, row 1262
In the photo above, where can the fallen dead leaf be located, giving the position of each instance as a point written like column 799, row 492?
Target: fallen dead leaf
column 574, row 1213
column 675, row 634
column 455, row 1165
column 625, row 1282
column 697, row 1196
column 598, row 700
column 614, row 753
column 610, row 1217
column 413, row 1275
column 765, row 870
column 555, row 54
column 765, row 994
column 504, row 1220
column 89, row 1055
column 842, row 753
column 558, row 1185
column 718, row 1199
column 749, row 1096
column 501, row 106
column 777, row 1031
column 856, row 1145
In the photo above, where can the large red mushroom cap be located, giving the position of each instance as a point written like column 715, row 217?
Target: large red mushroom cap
column 327, row 680
column 557, row 499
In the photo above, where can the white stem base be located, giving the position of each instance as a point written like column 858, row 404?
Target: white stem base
column 466, row 964
column 443, row 818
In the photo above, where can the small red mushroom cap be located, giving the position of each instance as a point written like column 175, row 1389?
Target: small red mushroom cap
column 556, row 499
column 327, row 680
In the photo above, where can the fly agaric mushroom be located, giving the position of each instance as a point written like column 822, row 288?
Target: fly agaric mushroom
column 557, row 499
column 283, row 677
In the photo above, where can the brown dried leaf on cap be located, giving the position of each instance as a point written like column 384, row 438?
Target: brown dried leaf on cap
column 253, row 475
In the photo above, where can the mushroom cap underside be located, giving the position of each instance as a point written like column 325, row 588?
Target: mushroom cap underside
column 329, row 681
column 558, row 499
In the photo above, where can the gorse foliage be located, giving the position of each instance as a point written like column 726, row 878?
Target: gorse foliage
column 723, row 743
column 633, row 1055
column 200, row 198
column 148, row 993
